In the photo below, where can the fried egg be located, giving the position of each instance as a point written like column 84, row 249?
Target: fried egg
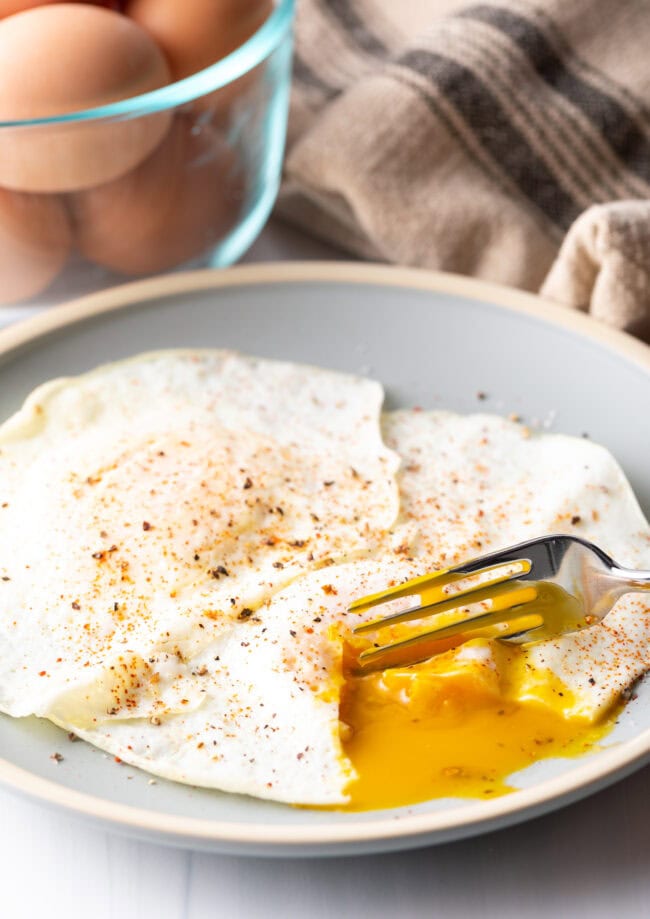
column 181, row 536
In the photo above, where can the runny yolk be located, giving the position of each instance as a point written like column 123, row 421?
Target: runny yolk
column 454, row 727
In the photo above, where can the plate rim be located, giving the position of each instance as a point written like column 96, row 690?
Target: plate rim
column 124, row 296
column 610, row 765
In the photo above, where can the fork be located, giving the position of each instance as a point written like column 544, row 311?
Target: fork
column 535, row 590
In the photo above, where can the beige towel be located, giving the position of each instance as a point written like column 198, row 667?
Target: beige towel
column 505, row 139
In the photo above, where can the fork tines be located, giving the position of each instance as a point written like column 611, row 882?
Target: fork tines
column 459, row 601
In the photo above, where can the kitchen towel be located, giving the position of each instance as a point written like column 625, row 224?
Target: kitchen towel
column 508, row 140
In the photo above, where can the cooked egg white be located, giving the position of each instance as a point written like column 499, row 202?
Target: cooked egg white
column 474, row 484
column 149, row 510
column 182, row 533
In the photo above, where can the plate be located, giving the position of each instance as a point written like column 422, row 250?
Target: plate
column 433, row 340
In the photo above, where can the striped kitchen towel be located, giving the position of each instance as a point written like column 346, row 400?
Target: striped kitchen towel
column 507, row 139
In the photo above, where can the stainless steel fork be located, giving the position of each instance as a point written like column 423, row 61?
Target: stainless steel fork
column 528, row 592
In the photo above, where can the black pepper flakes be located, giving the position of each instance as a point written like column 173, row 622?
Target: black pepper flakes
column 146, row 525
column 248, row 483
column 245, row 614
column 219, row 571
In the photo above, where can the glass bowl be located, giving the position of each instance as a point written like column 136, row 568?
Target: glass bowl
column 184, row 176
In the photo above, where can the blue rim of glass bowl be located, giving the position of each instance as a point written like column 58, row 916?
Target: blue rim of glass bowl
column 258, row 47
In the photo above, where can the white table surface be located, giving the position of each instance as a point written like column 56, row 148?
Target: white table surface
column 591, row 859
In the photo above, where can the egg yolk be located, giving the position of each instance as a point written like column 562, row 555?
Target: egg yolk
column 457, row 725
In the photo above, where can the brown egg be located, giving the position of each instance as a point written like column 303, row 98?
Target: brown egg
column 173, row 207
column 34, row 243
column 65, row 57
column 9, row 7
column 196, row 33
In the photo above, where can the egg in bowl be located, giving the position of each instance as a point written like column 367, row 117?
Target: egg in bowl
column 184, row 531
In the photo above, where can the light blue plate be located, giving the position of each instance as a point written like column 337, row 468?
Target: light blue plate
column 433, row 340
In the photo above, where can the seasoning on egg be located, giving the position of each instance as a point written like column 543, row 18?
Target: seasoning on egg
column 173, row 207
column 69, row 57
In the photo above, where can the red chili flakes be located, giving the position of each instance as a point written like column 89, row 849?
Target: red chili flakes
column 42, row 673
column 146, row 525
column 57, row 757
column 75, row 605
column 329, row 589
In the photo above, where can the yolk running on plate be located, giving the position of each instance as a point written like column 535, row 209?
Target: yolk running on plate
column 454, row 727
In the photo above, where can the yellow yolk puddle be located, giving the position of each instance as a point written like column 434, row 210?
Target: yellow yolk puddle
column 454, row 727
